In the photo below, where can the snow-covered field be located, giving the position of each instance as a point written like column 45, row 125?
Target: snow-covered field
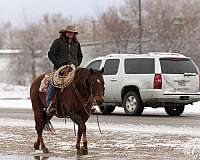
column 13, row 91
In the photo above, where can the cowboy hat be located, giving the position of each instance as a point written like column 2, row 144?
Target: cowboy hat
column 62, row 31
column 69, row 28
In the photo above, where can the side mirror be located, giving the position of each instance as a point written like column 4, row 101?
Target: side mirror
column 91, row 70
column 102, row 70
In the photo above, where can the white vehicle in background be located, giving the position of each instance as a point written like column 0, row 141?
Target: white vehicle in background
column 135, row 81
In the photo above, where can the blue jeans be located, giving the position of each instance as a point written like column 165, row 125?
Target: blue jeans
column 51, row 91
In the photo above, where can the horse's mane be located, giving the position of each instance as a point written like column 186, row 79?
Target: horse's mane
column 81, row 76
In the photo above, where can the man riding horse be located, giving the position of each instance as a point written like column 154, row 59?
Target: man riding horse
column 78, row 97
column 65, row 50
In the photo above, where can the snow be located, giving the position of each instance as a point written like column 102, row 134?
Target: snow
column 192, row 149
column 8, row 91
column 9, row 51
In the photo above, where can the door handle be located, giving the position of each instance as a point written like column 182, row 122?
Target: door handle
column 113, row 79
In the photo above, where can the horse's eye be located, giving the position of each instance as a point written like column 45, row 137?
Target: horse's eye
column 98, row 81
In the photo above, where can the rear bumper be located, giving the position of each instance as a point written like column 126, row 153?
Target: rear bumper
column 169, row 97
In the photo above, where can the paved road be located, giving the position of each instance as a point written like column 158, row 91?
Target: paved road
column 149, row 118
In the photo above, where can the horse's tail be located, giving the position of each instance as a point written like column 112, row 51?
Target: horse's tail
column 47, row 123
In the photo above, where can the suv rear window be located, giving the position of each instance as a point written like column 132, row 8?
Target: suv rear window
column 177, row 66
column 139, row 66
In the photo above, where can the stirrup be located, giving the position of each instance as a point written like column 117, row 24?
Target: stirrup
column 50, row 109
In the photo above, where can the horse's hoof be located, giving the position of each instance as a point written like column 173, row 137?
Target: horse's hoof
column 36, row 146
column 84, row 150
column 45, row 150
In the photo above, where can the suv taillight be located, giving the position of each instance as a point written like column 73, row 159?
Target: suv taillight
column 157, row 81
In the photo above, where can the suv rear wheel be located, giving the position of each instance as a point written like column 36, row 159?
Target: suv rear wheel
column 106, row 109
column 132, row 104
column 175, row 110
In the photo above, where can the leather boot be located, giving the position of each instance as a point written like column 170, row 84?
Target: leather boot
column 50, row 109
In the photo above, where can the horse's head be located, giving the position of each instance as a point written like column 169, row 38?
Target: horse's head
column 97, row 84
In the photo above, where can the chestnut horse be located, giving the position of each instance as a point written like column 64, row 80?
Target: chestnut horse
column 77, row 99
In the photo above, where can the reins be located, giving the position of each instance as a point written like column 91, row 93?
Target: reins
column 81, row 100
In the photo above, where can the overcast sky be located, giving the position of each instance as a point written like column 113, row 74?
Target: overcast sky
column 15, row 11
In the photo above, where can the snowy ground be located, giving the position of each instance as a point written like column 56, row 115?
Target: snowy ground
column 13, row 92
column 118, row 141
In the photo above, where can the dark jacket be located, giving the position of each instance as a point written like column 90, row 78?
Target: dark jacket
column 62, row 53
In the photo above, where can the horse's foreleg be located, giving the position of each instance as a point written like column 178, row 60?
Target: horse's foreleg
column 44, row 148
column 84, row 148
column 78, row 141
column 37, row 144
column 78, row 120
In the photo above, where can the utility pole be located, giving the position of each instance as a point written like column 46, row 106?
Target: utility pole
column 140, row 26
column 94, row 30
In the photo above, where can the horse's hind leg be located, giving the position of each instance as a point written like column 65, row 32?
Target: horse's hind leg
column 39, row 126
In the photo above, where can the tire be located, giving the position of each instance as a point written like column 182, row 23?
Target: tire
column 175, row 110
column 132, row 104
column 106, row 109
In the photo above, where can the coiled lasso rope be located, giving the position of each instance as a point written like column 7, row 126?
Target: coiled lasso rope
column 61, row 81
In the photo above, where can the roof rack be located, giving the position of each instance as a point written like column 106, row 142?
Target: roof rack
column 164, row 53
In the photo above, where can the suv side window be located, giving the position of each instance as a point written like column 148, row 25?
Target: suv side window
column 95, row 65
column 139, row 66
column 177, row 66
column 111, row 66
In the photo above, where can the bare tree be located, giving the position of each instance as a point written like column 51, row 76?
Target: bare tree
column 5, row 35
column 34, row 41
column 114, row 32
column 166, row 26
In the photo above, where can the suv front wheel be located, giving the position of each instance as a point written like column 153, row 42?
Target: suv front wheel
column 132, row 104
column 175, row 110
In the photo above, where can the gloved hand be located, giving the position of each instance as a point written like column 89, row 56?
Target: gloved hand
column 72, row 66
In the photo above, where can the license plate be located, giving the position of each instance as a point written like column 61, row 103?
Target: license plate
column 182, row 89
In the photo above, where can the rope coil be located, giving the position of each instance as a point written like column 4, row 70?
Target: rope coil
column 62, row 81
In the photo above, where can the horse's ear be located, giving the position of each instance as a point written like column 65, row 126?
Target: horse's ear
column 102, row 70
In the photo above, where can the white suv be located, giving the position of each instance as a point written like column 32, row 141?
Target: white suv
column 135, row 81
